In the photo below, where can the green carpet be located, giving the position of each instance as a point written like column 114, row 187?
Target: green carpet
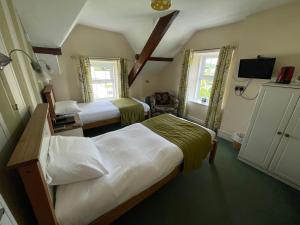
column 229, row 192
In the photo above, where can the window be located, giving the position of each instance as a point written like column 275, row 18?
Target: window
column 202, row 72
column 104, row 79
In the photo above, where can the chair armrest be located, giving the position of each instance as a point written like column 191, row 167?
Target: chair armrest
column 174, row 101
column 151, row 102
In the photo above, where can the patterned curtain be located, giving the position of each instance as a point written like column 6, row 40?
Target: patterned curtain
column 86, row 79
column 214, row 113
column 123, row 79
column 182, row 95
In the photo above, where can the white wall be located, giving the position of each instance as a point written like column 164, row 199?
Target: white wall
column 19, row 84
column 94, row 42
column 274, row 32
column 86, row 41
column 271, row 33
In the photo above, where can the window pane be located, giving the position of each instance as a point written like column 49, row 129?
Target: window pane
column 103, row 90
column 201, row 84
column 101, row 75
column 210, row 66
column 204, row 90
column 103, row 78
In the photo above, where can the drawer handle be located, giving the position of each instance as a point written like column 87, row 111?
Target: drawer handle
column 287, row 135
column 279, row 133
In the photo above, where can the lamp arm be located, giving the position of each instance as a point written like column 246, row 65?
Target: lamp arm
column 34, row 64
column 20, row 50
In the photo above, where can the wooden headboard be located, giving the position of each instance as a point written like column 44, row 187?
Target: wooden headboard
column 50, row 99
column 29, row 158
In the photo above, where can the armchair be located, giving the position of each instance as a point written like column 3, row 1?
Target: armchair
column 162, row 102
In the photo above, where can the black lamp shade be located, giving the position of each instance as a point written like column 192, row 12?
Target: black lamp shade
column 4, row 60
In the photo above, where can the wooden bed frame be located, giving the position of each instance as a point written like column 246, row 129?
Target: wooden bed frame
column 29, row 158
column 49, row 97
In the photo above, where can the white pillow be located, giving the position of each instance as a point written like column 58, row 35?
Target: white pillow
column 73, row 159
column 66, row 107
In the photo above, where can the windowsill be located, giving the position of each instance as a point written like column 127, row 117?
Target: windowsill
column 199, row 102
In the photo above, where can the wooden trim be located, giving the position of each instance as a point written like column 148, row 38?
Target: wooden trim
column 157, row 34
column 28, row 147
column 160, row 59
column 49, row 98
column 115, row 213
column 111, row 121
column 101, row 123
column 49, row 51
column 50, row 124
column 36, row 188
column 213, row 152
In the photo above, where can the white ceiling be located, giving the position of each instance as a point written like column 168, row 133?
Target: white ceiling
column 48, row 22
column 136, row 20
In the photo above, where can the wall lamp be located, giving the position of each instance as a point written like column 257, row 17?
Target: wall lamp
column 5, row 60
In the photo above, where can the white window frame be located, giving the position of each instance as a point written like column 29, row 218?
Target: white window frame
column 113, row 79
column 201, row 76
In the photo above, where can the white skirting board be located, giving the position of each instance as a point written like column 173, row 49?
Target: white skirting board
column 225, row 135
column 270, row 174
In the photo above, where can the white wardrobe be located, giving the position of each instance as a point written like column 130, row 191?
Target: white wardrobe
column 272, row 142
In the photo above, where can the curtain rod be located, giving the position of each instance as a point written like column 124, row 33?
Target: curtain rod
column 98, row 57
column 211, row 49
column 207, row 49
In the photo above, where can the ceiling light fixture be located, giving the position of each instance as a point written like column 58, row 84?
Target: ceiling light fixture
column 161, row 5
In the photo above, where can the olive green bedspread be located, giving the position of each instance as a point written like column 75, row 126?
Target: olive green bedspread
column 193, row 140
column 131, row 111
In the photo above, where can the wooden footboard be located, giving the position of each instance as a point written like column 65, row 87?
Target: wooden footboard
column 101, row 123
column 30, row 156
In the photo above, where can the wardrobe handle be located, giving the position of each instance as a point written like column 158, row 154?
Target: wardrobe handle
column 287, row 135
column 279, row 132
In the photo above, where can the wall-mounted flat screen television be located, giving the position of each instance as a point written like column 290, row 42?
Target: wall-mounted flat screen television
column 260, row 68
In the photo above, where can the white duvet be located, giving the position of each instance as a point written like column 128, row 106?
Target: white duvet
column 135, row 157
column 101, row 110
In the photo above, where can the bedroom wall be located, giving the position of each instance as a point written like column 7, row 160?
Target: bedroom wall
column 89, row 41
column 86, row 41
column 270, row 33
column 18, row 85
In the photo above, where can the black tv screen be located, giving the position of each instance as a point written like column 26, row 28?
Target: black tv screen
column 260, row 68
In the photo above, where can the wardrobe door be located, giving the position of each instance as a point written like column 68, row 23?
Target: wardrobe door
column 273, row 110
column 286, row 162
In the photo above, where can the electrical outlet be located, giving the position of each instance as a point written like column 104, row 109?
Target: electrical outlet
column 239, row 88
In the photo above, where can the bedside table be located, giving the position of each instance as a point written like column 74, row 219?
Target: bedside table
column 69, row 126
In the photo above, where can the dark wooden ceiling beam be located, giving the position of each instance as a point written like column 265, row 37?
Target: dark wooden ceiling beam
column 49, row 51
column 157, row 34
column 160, row 59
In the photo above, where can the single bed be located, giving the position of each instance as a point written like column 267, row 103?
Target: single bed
column 94, row 114
column 132, row 153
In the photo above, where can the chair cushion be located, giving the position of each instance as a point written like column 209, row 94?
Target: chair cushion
column 165, row 108
column 162, row 98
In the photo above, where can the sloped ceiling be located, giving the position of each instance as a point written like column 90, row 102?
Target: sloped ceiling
column 48, row 22
column 136, row 20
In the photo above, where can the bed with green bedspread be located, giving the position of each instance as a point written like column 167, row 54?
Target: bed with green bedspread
column 131, row 111
column 194, row 141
